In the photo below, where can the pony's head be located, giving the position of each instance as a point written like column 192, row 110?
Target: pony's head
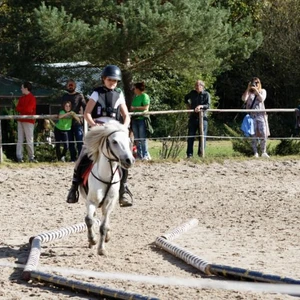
column 112, row 141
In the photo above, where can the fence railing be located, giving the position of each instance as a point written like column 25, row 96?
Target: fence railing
column 55, row 117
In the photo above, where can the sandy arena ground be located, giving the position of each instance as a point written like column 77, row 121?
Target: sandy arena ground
column 248, row 214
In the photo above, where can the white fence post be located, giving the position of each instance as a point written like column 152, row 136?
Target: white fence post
column 1, row 150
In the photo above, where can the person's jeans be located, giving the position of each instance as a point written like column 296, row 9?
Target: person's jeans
column 61, row 136
column 140, row 135
column 75, row 134
column 193, row 128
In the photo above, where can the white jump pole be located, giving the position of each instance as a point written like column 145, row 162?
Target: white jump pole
column 35, row 252
column 180, row 229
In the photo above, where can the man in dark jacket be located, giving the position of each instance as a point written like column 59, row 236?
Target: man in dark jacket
column 197, row 99
column 78, row 106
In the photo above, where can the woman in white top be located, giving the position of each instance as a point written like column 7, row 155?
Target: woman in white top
column 254, row 97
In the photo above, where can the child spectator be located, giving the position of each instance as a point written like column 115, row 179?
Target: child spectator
column 62, row 127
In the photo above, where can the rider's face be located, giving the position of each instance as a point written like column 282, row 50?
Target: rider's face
column 110, row 83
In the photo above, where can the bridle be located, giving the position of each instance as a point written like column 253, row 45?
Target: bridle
column 113, row 172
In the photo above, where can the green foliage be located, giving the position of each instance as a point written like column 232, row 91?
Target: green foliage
column 239, row 144
column 142, row 36
column 275, row 62
column 243, row 8
column 287, row 147
column 242, row 144
column 45, row 152
column 44, row 136
column 9, row 131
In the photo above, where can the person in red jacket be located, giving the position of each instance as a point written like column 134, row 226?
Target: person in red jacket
column 26, row 106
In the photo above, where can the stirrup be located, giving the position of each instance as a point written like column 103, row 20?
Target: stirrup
column 73, row 195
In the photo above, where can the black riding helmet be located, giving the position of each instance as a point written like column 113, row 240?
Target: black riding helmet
column 112, row 72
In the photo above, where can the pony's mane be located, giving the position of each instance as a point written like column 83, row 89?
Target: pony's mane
column 96, row 137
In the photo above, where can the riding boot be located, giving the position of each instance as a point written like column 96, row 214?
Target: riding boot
column 125, row 196
column 82, row 163
column 73, row 195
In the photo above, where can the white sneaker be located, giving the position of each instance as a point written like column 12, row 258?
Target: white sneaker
column 256, row 155
column 265, row 155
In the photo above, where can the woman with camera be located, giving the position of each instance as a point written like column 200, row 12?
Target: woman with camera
column 254, row 98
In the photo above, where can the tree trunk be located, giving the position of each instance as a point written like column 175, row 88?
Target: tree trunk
column 127, row 84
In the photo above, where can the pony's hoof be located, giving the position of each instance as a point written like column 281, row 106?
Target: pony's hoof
column 92, row 243
column 107, row 237
column 102, row 252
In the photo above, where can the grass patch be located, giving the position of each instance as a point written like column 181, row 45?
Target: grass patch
column 216, row 149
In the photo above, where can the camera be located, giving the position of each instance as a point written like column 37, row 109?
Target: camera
column 253, row 84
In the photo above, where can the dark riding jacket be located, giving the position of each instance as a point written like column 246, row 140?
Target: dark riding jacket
column 193, row 99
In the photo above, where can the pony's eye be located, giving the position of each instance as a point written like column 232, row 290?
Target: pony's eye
column 115, row 142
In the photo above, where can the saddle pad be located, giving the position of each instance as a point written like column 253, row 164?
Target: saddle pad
column 86, row 174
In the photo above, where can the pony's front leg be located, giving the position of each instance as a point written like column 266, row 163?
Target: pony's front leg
column 104, row 229
column 90, row 223
column 107, row 209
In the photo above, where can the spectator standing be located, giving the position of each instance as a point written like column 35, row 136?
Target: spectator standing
column 140, row 103
column 197, row 99
column 254, row 97
column 62, row 128
column 106, row 104
column 78, row 106
column 26, row 106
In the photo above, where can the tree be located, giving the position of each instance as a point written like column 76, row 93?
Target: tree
column 187, row 37
column 275, row 62
column 281, row 27
column 19, row 45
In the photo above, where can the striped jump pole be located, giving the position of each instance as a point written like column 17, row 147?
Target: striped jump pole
column 245, row 274
column 164, row 242
column 88, row 287
column 63, row 232
column 30, row 270
column 219, row 270
column 183, row 254
column 33, row 258
column 180, row 229
column 35, row 251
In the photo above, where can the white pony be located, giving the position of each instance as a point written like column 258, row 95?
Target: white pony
column 109, row 148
